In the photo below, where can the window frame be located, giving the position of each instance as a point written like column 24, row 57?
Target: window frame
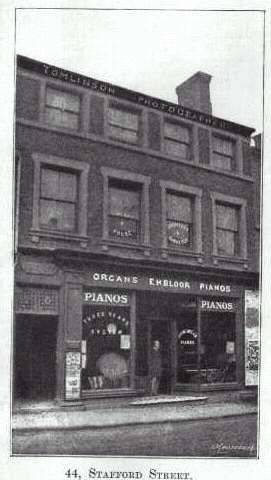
column 167, row 120
column 78, row 167
column 143, row 182
column 237, row 157
column 64, row 91
column 124, row 108
column 196, row 195
column 235, row 202
column 135, row 219
column 45, row 198
column 190, row 244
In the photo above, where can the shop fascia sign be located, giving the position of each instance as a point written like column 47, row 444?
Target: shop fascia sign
column 159, row 283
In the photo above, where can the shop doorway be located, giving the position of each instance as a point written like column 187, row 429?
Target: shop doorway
column 161, row 331
column 35, row 357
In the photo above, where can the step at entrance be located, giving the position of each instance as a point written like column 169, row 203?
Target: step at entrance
column 161, row 399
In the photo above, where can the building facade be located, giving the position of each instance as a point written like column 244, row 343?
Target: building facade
column 136, row 220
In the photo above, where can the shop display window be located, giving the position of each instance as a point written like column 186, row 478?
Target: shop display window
column 218, row 348
column 106, row 347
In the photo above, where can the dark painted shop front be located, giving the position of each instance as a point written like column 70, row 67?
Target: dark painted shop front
column 97, row 342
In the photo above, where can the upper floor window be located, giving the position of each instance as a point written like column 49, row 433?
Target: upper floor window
column 229, row 226
column 124, row 211
column 177, row 140
column 223, row 153
column 227, row 231
column 62, row 108
column 126, row 208
column 123, row 125
column 58, row 199
column 179, row 220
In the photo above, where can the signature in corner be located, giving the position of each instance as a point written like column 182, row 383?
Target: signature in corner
column 227, row 447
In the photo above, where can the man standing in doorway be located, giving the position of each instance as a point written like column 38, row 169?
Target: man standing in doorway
column 155, row 367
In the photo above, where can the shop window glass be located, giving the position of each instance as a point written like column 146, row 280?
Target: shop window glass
column 187, row 340
column 123, row 125
column 179, row 221
column 62, row 109
column 223, row 153
column 58, row 200
column 124, row 213
column 106, row 347
column 177, row 140
column 226, row 230
column 218, row 355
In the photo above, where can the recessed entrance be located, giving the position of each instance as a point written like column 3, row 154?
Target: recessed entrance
column 160, row 330
column 35, row 357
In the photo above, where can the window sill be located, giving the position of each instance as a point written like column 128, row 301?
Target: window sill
column 36, row 234
column 231, row 260
column 136, row 148
column 167, row 252
column 106, row 244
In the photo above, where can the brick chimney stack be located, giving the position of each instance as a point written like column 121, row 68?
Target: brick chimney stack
column 194, row 93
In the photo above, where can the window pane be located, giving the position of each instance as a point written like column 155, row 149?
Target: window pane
column 62, row 100
column 221, row 161
column 226, row 242
column 123, row 228
column 227, row 217
column 49, row 183
column 223, row 146
column 177, row 149
column 106, row 332
column 179, row 208
column 61, row 118
column 179, row 234
column 177, row 132
column 124, row 203
column 67, row 186
column 123, row 134
column 58, row 185
column 218, row 348
column 123, row 119
column 57, row 215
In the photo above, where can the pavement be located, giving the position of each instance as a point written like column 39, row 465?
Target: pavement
column 124, row 412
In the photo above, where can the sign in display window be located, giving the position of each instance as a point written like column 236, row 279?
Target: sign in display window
column 106, row 347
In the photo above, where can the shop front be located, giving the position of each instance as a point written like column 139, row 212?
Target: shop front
column 199, row 324
column 93, row 335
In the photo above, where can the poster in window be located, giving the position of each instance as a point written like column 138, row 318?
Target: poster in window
column 251, row 337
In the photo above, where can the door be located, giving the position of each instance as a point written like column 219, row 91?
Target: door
column 161, row 331
column 35, row 357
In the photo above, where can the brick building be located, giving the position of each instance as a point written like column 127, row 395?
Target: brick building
column 136, row 219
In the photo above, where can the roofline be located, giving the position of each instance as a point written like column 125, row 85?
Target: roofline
column 115, row 91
